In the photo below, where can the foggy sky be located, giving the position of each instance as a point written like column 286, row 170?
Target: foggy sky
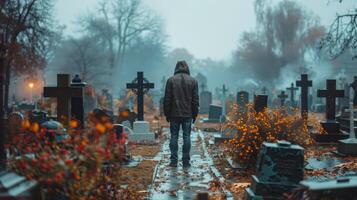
column 207, row 28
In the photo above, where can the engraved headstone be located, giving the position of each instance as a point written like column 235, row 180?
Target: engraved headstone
column 77, row 103
column 215, row 113
column 279, row 169
column 205, row 102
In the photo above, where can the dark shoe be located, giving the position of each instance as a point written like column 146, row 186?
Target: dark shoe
column 186, row 165
column 173, row 164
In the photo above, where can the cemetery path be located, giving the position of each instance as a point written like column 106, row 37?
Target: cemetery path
column 178, row 183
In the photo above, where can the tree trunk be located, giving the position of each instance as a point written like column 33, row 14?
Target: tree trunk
column 2, row 132
column 7, row 89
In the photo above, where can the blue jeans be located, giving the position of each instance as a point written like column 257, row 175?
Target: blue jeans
column 186, row 129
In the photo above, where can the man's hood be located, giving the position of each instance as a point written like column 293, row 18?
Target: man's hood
column 182, row 67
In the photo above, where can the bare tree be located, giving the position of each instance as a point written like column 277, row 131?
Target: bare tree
column 83, row 56
column 119, row 24
column 341, row 36
column 285, row 35
column 26, row 26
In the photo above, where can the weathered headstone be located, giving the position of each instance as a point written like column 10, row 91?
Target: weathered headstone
column 141, row 128
column 331, row 126
column 304, row 83
column 205, row 101
column 282, row 96
column 279, row 169
column 77, row 103
column 260, row 103
column 64, row 93
column 214, row 115
column 338, row 188
column 292, row 90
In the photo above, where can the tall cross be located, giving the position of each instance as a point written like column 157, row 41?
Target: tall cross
column 140, row 86
column 64, row 93
column 304, row 83
column 282, row 96
column 292, row 90
column 330, row 94
column 224, row 91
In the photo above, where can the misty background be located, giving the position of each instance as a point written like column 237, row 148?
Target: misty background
column 244, row 44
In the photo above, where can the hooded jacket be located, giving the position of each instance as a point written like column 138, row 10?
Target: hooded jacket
column 181, row 94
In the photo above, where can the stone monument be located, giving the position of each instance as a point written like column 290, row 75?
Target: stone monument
column 141, row 128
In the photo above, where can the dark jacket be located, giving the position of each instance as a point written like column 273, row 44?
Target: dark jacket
column 181, row 94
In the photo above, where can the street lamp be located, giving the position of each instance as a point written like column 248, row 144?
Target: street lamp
column 31, row 88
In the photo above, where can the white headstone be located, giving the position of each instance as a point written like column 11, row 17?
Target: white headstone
column 141, row 132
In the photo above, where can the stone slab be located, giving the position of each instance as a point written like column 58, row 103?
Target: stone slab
column 347, row 147
column 141, row 127
column 141, row 137
column 329, row 138
column 276, row 189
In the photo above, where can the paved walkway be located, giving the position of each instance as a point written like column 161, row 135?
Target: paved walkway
column 178, row 183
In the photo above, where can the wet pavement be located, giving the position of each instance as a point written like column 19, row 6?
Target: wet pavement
column 178, row 183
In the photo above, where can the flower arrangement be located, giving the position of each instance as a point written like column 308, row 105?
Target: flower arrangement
column 73, row 167
column 251, row 129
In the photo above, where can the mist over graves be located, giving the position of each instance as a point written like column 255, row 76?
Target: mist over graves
column 265, row 99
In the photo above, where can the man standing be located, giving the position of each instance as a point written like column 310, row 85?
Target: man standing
column 181, row 104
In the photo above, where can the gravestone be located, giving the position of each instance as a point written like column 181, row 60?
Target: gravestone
column 304, row 84
column 205, row 102
column 260, row 103
column 330, row 125
column 282, row 96
column 77, row 103
column 64, row 93
column 214, row 115
column 141, row 128
column 292, row 90
column 338, row 188
column 242, row 100
column 38, row 116
column 349, row 146
column 279, row 169
column 13, row 186
column 354, row 87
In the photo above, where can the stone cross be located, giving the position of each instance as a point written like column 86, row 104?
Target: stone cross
column 330, row 94
column 140, row 86
column 224, row 91
column 304, row 83
column 282, row 96
column 292, row 90
column 64, row 93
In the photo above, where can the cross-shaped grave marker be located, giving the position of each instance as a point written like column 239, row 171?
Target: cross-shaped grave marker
column 140, row 86
column 64, row 93
column 203, row 87
column 224, row 91
column 282, row 96
column 349, row 146
column 330, row 94
column 292, row 90
column 264, row 90
column 304, row 83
